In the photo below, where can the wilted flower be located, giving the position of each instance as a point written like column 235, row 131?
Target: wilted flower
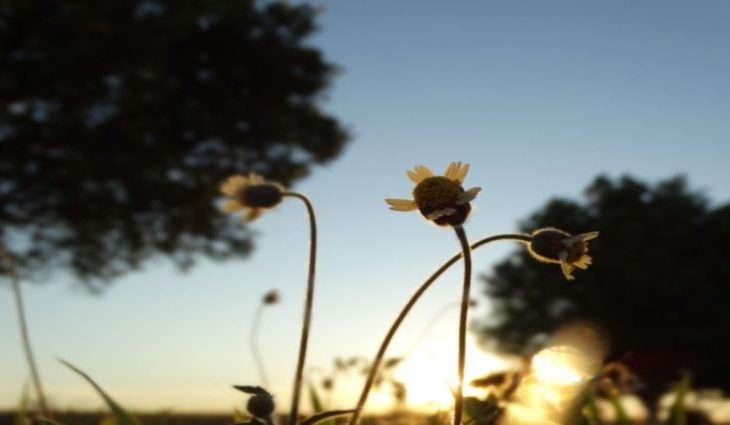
column 440, row 199
column 551, row 245
column 271, row 297
column 251, row 193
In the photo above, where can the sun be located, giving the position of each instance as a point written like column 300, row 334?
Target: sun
column 429, row 374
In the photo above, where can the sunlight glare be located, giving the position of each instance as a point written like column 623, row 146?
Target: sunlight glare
column 429, row 374
column 561, row 365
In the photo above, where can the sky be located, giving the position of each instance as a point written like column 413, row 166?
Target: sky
column 539, row 97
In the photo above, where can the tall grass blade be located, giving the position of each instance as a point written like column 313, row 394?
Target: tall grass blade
column 621, row 417
column 678, row 411
column 317, row 406
column 121, row 415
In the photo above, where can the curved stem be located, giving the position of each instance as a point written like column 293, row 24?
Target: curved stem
column 253, row 341
column 459, row 396
column 24, row 335
column 294, row 412
column 429, row 326
column 374, row 368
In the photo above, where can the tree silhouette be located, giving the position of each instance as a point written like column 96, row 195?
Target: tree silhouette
column 119, row 119
column 659, row 283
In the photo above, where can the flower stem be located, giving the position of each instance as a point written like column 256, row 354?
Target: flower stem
column 459, row 395
column 294, row 412
column 24, row 335
column 375, row 366
column 253, row 342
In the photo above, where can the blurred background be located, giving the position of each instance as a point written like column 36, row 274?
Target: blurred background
column 119, row 120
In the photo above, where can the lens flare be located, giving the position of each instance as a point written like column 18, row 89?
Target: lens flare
column 561, row 365
column 557, row 377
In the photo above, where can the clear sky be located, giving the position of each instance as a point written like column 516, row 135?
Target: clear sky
column 538, row 96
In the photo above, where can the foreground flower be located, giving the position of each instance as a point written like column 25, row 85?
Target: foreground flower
column 551, row 245
column 251, row 193
column 440, row 199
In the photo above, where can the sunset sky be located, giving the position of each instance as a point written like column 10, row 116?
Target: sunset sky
column 539, row 97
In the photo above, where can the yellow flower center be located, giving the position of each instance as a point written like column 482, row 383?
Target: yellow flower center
column 436, row 192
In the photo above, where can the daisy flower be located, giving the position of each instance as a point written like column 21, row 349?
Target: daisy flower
column 551, row 245
column 440, row 199
column 251, row 193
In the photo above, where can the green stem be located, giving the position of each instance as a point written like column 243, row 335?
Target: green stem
column 375, row 366
column 459, row 395
column 253, row 342
column 296, row 392
column 24, row 335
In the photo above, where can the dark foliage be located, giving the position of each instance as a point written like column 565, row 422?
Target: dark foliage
column 659, row 283
column 119, row 119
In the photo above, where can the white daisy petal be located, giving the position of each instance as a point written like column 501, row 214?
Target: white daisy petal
column 423, row 171
column 440, row 213
column 232, row 205
column 401, row 204
column 588, row 236
column 583, row 262
column 583, row 237
column 452, row 170
column 415, row 177
column 468, row 196
column 231, row 185
column 567, row 270
column 252, row 215
column 255, row 178
column 461, row 174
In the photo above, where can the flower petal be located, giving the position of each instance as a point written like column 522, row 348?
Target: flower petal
column 401, row 204
column 232, row 184
column 583, row 262
column 252, row 215
column 415, row 177
column 232, row 205
column 468, row 196
column 583, row 237
column 567, row 270
column 452, row 170
column 423, row 171
column 461, row 172
column 440, row 213
column 588, row 236
column 255, row 178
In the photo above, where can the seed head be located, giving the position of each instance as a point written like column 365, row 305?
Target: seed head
column 260, row 405
column 271, row 297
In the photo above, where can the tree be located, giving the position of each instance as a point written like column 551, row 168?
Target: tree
column 119, row 119
column 659, row 282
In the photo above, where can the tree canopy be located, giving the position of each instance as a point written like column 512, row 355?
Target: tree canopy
column 119, row 119
column 659, row 282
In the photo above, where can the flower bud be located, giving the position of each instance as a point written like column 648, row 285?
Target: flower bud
column 551, row 245
column 271, row 297
column 260, row 405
